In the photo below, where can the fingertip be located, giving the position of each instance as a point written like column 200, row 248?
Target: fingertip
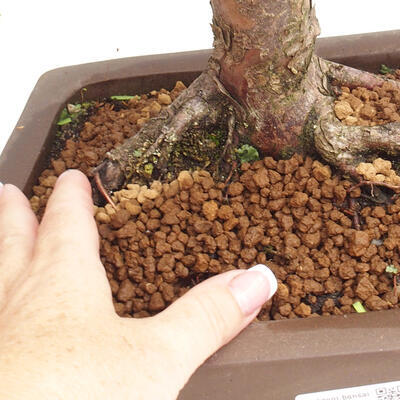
column 73, row 187
column 72, row 193
column 74, row 175
column 68, row 221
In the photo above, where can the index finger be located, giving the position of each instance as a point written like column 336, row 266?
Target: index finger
column 68, row 232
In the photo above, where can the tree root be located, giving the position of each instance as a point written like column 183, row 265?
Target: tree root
column 343, row 75
column 231, row 172
column 395, row 188
column 103, row 191
column 346, row 146
column 204, row 106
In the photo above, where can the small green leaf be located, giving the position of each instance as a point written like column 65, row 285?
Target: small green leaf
column 359, row 307
column 247, row 153
column 124, row 97
column 64, row 121
column 137, row 153
column 74, row 108
column 64, row 114
column 391, row 269
column 86, row 104
column 386, row 70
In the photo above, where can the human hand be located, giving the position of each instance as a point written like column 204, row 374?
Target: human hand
column 60, row 337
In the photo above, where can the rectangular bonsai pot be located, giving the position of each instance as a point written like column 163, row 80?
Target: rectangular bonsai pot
column 274, row 360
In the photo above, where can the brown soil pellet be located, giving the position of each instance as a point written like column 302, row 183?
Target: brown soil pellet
column 366, row 107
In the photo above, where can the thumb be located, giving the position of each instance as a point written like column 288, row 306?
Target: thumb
column 214, row 312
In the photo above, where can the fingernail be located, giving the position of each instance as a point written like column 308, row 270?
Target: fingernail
column 253, row 288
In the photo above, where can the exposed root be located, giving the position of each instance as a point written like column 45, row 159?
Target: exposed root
column 230, row 139
column 111, row 176
column 345, row 146
column 234, row 165
column 103, row 191
column 200, row 108
column 352, row 77
column 372, row 184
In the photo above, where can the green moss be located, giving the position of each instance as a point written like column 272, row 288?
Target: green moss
column 199, row 148
column 306, row 139
column 148, row 169
column 287, row 153
column 216, row 136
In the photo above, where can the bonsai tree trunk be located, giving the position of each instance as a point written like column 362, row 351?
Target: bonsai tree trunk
column 265, row 86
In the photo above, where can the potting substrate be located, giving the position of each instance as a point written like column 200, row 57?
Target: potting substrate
column 333, row 244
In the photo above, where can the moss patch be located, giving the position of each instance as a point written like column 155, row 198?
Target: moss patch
column 198, row 149
column 306, row 139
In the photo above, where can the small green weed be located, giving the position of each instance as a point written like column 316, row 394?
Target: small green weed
column 71, row 112
column 124, row 97
column 64, row 117
column 247, row 153
column 386, row 70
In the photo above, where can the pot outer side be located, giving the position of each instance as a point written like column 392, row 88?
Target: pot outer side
column 274, row 360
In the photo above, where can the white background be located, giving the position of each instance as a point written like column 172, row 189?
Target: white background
column 39, row 35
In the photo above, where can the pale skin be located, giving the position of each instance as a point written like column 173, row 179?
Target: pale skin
column 60, row 337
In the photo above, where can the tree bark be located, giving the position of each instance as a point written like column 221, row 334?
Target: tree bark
column 270, row 72
column 264, row 85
